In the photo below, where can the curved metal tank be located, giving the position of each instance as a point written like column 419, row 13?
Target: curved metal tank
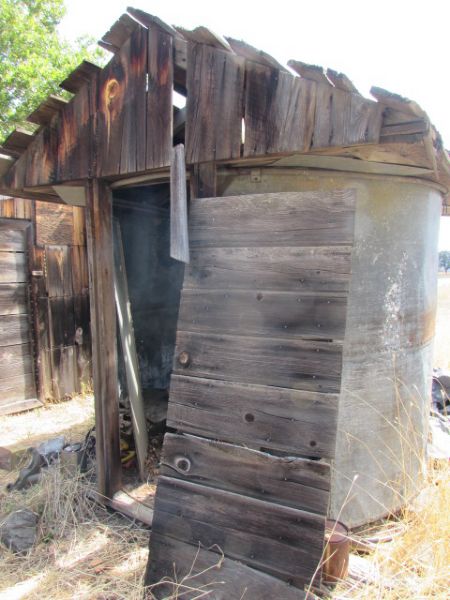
column 386, row 375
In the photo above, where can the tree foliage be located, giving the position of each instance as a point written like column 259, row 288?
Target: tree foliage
column 33, row 58
column 444, row 260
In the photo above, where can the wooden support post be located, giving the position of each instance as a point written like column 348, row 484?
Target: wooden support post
column 204, row 180
column 103, row 327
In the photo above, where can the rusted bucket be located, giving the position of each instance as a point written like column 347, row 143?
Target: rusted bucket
column 337, row 550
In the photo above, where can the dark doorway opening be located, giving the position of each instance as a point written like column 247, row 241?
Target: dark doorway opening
column 154, row 287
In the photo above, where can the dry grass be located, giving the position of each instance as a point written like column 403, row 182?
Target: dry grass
column 415, row 565
column 82, row 551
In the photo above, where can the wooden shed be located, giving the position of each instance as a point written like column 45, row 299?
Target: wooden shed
column 275, row 245
column 44, row 314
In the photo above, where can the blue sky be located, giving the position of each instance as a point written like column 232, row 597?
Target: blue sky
column 400, row 45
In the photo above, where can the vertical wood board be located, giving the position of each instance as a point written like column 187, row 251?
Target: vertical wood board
column 279, row 111
column 159, row 107
column 214, row 109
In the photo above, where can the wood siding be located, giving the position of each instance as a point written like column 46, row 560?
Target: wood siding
column 17, row 384
column 56, row 270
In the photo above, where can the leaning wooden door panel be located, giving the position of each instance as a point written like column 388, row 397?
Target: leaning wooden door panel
column 257, row 370
column 281, row 541
column 185, row 571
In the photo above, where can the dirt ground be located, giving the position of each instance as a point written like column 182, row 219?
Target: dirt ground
column 84, row 552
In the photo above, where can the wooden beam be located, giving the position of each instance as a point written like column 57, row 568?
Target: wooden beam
column 251, row 53
column 103, row 329
column 203, row 35
column 79, row 76
column 44, row 113
column 150, row 21
column 120, row 31
column 341, row 81
column 397, row 102
column 311, row 72
column 204, row 180
column 18, row 141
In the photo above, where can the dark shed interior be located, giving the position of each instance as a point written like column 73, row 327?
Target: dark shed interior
column 154, row 286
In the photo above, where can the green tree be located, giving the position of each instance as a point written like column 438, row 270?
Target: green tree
column 444, row 260
column 33, row 58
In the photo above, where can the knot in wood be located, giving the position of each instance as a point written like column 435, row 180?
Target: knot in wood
column 182, row 464
column 184, row 359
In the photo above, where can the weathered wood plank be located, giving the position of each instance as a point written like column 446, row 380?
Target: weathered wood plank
column 151, row 21
column 126, row 332
column 13, row 267
column 322, row 116
column 82, row 74
column 64, row 372
column 15, row 360
column 103, row 331
column 203, row 182
column 14, row 329
column 11, row 238
column 281, row 541
column 251, row 53
column 79, row 230
column 341, row 81
column 121, row 126
column 15, row 208
column 214, row 109
column 43, row 322
column 288, row 420
column 73, row 144
column 262, row 313
column 279, row 111
column 14, row 387
column 45, row 112
column 13, row 298
column 190, row 570
column 311, row 72
column 120, row 31
column 295, row 482
column 82, row 320
column 397, row 102
column 132, row 156
column 203, row 35
column 17, row 393
column 179, row 237
column 54, row 224
column 18, row 140
column 301, row 365
column 302, row 219
column 80, row 273
column 310, row 269
column 62, row 321
column 58, row 271
column 354, row 119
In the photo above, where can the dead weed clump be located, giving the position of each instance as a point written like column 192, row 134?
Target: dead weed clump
column 416, row 563
column 82, row 551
